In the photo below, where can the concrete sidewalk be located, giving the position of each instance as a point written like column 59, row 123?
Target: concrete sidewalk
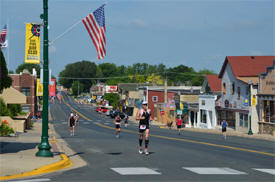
column 230, row 131
column 18, row 160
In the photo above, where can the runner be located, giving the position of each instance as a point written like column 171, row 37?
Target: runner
column 76, row 118
column 224, row 125
column 117, row 122
column 71, row 123
column 144, row 115
column 126, row 120
column 179, row 123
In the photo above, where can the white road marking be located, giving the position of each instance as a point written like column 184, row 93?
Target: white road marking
column 213, row 170
column 135, row 171
column 64, row 122
column 33, row 180
column 86, row 122
column 270, row 171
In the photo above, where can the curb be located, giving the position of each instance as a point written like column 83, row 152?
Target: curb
column 64, row 163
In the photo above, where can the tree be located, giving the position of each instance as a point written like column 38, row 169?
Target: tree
column 155, row 79
column 83, row 69
column 199, row 78
column 77, row 88
column 113, row 99
column 5, row 80
column 28, row 67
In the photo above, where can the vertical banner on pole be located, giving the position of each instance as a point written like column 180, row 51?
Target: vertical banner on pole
column 32, row 43
column 39, row 88
column 52, row 88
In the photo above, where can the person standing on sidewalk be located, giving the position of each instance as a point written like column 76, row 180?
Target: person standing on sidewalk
column 117, row 122
column 144, row 116
column 224, row 125
column 179, row 123
column 71, row 123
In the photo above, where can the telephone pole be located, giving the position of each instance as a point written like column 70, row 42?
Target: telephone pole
column 44, row 147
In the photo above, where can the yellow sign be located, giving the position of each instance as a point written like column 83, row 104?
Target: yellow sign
column 39, row 88
column 253, row 100
column 32, row 43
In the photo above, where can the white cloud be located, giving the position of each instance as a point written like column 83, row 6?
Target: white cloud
column 140, row 23
column 256, row 53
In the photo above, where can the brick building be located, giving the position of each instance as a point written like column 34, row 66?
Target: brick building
column 26, row 84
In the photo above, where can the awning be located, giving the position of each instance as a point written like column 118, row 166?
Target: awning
column 12, row 96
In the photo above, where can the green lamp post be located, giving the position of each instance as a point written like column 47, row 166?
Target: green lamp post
column 250, row 130
column 44, row 147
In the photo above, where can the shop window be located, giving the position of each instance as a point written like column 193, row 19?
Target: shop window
column 233, row 88
column 239, row 93
column 224, row 88
column 155, row 98
column 26, row 91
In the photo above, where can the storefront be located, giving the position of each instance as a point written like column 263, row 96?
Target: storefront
column 266, row 98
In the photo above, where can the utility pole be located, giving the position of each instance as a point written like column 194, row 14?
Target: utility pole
column 165, row 89
column 44, row 147
column 78, row 89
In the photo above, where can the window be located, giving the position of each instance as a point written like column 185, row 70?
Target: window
column 233, row 88
column 224, row 88
column 239, row 93
column 203, row 102
column 26, row 91
column 203, row 116
column 26, row 108
column 155, row 98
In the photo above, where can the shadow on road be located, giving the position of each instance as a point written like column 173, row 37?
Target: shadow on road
column 14, row 147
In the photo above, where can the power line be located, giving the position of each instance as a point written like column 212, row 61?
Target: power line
column 129, row 76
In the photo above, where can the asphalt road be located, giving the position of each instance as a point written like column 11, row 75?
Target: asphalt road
column 191, row 156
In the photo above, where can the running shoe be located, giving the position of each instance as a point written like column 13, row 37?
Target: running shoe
column 140, row 151
column 146, row 152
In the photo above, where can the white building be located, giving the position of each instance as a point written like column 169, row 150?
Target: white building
column 239, row 76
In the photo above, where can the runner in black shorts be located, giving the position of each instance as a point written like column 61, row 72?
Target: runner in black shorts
column 144, row 116
column 71, row 123
column 117, row 122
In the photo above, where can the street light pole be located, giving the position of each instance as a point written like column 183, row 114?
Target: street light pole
column 250, row 109
column 44, row 147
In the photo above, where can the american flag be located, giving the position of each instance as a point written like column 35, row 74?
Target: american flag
column 3, row 34
column 95, row 25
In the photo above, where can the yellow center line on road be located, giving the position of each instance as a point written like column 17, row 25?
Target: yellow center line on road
column 179, row 139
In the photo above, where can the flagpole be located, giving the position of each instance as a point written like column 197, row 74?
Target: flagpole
column 8, row 37
column 66, row 31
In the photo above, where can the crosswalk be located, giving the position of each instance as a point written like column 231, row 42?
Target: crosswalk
column 138, row 171
column 194, row 170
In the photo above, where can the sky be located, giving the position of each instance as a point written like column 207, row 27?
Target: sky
column 195, row 33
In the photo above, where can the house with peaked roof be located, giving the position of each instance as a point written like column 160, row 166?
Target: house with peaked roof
column 211, row 88
column 212, row 85
column 239, row 75
column 266, row 100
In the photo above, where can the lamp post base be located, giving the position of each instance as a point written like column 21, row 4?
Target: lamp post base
column 250, row 132
column 44, row 149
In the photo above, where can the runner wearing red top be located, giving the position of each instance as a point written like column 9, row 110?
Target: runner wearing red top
column 179, row 123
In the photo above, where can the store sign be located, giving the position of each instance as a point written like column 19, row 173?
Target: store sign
column 268, row 83
column 111, row 89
